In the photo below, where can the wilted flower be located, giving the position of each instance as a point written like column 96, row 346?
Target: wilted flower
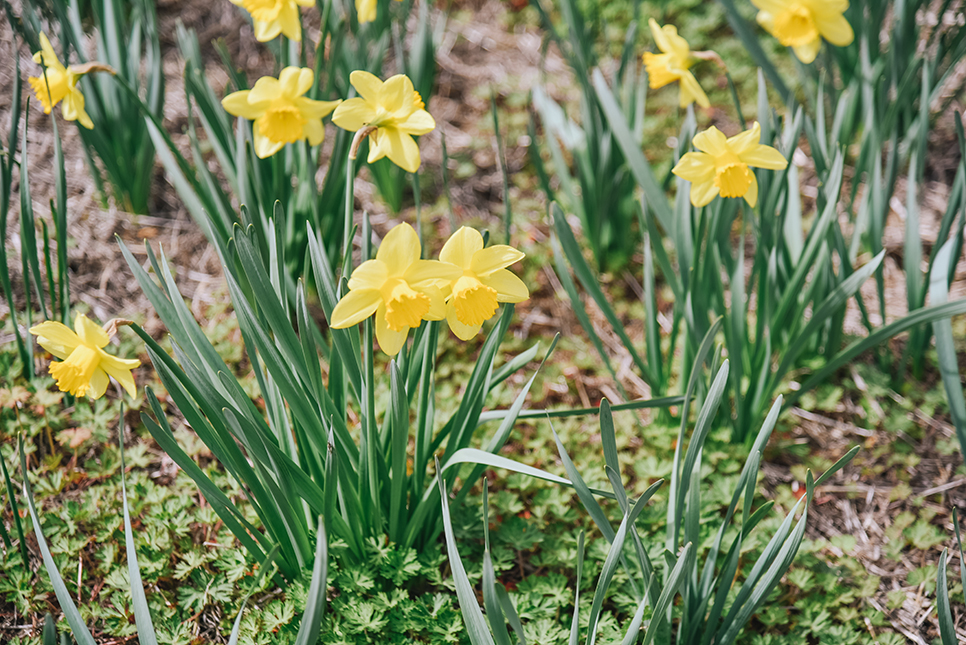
column 724, row 165
column 801, row 24
column 274, row 17
column 389, row 113
column 473, row 296
column 398, row 287
column 84, row 367
column 59, row 83
column 279, row 111
column 673, row 64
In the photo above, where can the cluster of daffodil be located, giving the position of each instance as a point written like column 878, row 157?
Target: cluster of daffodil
column 799, row 24
column 390, row 113
column 464, row 287
column 721, row 166
column 273, row 17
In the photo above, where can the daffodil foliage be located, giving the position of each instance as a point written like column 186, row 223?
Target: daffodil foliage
column 358, row 445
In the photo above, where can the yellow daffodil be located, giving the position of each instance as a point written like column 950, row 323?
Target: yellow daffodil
column 673, row 64
column 398, row 287
column 473, row 296
column 59, row 83
column 279, row 111
column 389, row 114
column 274, row 17
column 84, row 367
column 724, row 165
column 366, row 10
column 801, row 24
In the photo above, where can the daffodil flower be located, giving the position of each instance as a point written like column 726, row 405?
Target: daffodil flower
column 673, row 64
column 389, row 114
column 84, row 367
column 801, row 24
column 473, row 296
column 59, row 83
column 366, row 10
column 279, row 111
column 274, row 17
column 724, row 165
column 398, row 287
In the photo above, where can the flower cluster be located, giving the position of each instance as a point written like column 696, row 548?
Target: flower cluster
column 390, row 113
column 464, row 286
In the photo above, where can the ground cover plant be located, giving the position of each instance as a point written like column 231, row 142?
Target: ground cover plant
column 293, row 450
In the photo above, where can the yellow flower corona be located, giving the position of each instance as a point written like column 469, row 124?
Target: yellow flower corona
column 274, row 17
column 485, row 281
column 58, row 83
column 390, row 113
column 801, row 24
column 84, row 367
column 279, row 111
column 673, row 64
column 723, row 165
column 398, row 287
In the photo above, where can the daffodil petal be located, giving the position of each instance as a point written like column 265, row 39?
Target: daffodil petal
column 703, row 193
column 807, row 52
column 378, row 146
column 353, row 115
column 99, row 383
column 461, row 246
column 834, row 27
column 266, row 89
column 354, row 307
column 121, row 374
column 691, row 91
column 48, row 55
column 423, row 272
column 266, row 31
column 508, row 287
column 437, row 304
column 371, row 274
column 237, row 104
column 314, row 131
column 764, row 157
column 399, row 249
column 711, row 141
column 312, row 109
column 89, row 333
column 402, row 149
column 695, row 167
column 295, row 81
column 289, row 23
column 264, row 147
column 494, row 258
column 462, row 331
column 752, row 195
column 660, row 38
column 390, row 342
column 57, row 338
column 367, row 85
column 419, row 122
column 395, row 92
